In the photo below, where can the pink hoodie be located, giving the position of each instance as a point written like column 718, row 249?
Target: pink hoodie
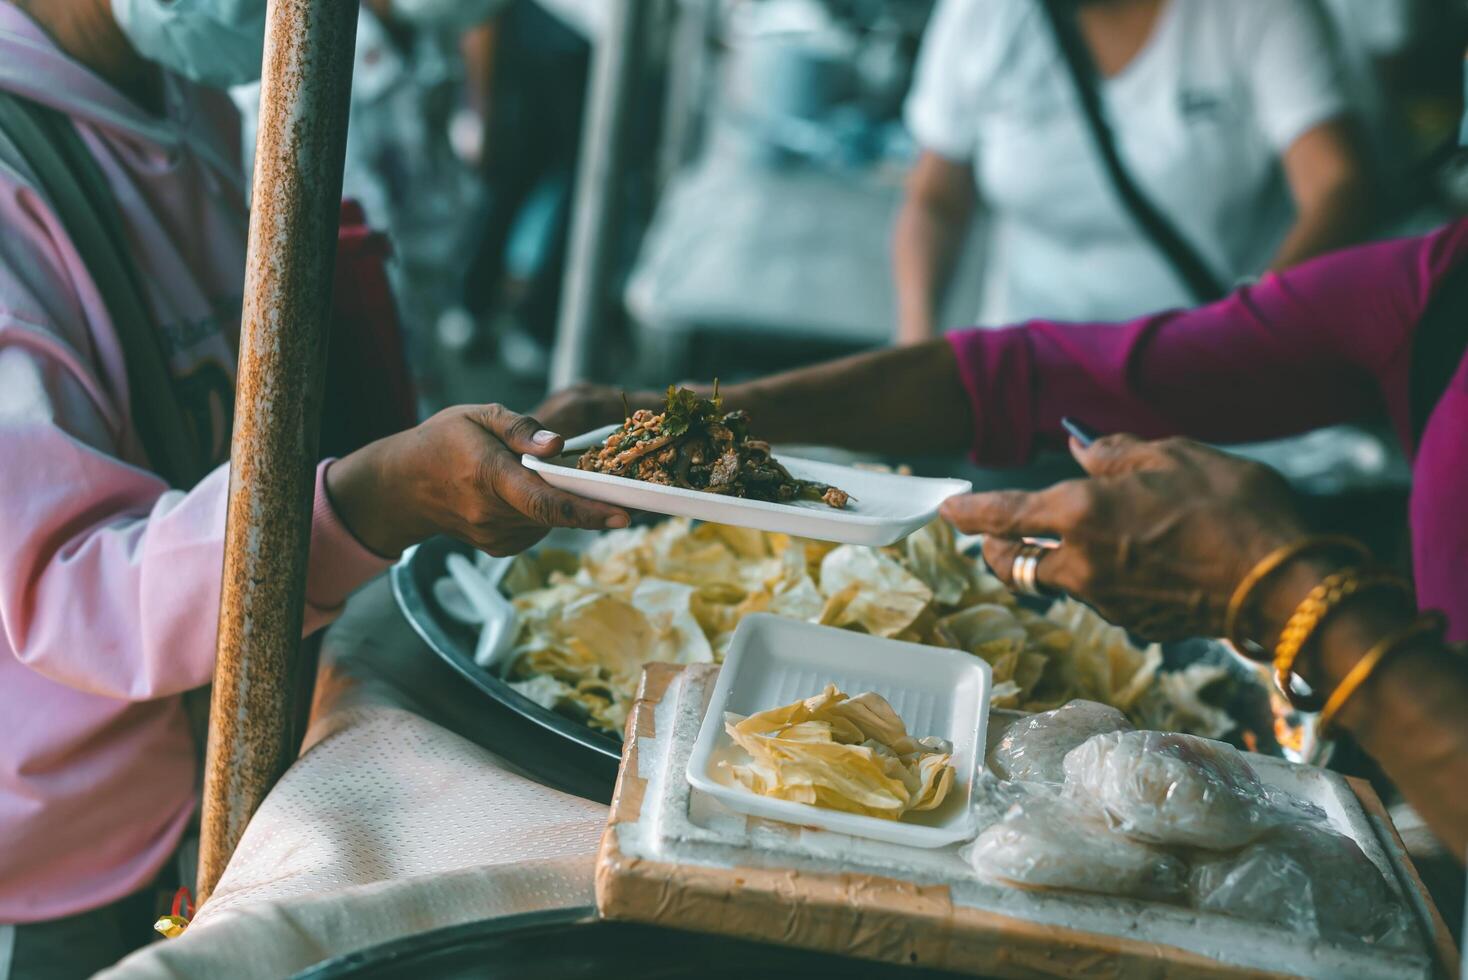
column 109, row 581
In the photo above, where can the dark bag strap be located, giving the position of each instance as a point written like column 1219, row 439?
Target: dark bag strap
column 77, row 191
column 1438, row 346
column 1180, row 255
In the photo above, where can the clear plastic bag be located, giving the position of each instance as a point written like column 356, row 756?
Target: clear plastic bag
column 1049, row 840
column 1165, row 788
column 1309, row 879
column 1172, row 818
column 1034, row 748
column 994, row 796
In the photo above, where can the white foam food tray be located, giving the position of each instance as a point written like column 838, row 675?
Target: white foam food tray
column 884, row 507
column 774, row 661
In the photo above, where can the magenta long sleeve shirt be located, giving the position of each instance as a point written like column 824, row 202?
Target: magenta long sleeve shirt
column 1327, row 342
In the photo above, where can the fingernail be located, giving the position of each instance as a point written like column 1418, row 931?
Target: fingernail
column 617, row 520
column 1079, row 431
column 543, row 438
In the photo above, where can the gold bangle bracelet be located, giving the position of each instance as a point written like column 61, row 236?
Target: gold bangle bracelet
column 1271, row 563
column 1428, row 623
column 1313, row 610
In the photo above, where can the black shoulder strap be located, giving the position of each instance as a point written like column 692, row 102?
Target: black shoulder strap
column 1438, row 346
column 77, row 191
column 1180, row 255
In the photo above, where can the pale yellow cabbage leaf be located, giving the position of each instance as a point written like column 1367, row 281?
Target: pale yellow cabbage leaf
column 888, row 598
column 932, row 557
column 843, row 753
column 668, row 607
column 922, row 590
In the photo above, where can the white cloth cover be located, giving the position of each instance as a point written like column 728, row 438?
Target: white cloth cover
column 388, row 825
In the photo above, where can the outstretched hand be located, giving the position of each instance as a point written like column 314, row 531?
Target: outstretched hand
column 459, row 473
column 1156, row 539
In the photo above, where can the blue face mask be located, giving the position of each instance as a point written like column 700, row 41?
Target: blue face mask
column 213, row 42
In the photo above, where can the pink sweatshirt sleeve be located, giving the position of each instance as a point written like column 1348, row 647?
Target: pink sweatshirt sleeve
column 1326, row 342
column 109, row 580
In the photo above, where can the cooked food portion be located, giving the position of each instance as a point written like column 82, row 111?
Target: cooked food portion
column 675, row 592
column 694, row 444
column 843, row 753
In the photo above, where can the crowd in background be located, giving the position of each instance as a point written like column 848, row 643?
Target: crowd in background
column 1264, row 132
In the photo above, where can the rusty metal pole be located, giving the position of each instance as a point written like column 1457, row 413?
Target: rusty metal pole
column 305, row 83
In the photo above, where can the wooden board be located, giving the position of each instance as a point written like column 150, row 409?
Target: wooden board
column 883, row 918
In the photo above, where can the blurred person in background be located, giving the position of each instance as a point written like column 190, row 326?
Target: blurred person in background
column 1230, row 118
column 1382, row 48
column 406, row 83
column 404, row 166
column 1377, row 37
column 531, row 69
column 402, row 162
column 121, row 275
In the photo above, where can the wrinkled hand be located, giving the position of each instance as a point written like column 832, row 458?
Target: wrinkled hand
column 1157, row 538
column 459, row 473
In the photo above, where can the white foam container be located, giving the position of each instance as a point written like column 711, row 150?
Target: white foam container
column 774, row 661
column 884, row 507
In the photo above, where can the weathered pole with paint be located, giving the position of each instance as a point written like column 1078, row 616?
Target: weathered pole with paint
column 305, row 84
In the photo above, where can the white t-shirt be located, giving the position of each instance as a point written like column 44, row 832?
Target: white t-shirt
column 1200, row 116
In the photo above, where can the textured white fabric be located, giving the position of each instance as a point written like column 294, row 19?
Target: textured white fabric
column 279, row 938
column 387, row 826
column 391, row 795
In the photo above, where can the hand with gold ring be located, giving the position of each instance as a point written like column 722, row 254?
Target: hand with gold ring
column 1156, row 538
column 1023, row 573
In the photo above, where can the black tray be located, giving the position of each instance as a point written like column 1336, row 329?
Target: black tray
column 597, row 755
column 571, row 944
column 412, row 586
